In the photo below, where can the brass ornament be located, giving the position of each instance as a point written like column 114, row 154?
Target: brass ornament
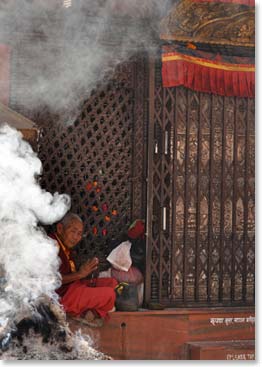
column 210, row 22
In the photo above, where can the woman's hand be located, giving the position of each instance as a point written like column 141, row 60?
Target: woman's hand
column 88, row 267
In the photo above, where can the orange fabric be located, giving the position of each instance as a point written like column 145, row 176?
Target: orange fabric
column 96, row 294
column 174, row 56
column 81, row 297
column 67, row 253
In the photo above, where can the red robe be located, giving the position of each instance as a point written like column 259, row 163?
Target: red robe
column 81, row 295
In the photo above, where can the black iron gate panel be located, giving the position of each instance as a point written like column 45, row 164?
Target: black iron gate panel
column 93, row 159
column 201, row 245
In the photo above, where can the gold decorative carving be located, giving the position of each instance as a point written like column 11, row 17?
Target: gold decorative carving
column 210, row 22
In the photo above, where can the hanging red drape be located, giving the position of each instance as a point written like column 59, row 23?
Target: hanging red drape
column 207, row 72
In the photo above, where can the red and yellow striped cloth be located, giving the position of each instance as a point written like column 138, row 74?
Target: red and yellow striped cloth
column 206, row 72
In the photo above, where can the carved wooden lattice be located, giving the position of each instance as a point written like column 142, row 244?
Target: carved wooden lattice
column 93, row 160
column 201, row 198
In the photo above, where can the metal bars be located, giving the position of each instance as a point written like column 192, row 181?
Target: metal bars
column 201, row 233
column 98, row 160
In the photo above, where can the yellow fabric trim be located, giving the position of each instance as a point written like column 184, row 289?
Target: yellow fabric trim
column 209, row 64
column 66, row 252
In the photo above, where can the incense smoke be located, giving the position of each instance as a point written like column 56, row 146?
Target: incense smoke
column 28, row 258
column 32, row 322
column 58, row 56
column 60, row 53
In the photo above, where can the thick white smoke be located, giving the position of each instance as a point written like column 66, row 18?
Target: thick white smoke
column 59, row 54
column 28, row 258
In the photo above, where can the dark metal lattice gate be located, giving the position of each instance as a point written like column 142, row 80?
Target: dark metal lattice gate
column 193, row 153
column 98, row 160
column 200, row 197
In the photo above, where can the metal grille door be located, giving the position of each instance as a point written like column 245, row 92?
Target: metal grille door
column 201, row 235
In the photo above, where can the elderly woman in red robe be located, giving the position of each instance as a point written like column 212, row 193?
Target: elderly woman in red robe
column 78, row 295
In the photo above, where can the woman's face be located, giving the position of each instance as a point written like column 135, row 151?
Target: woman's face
column 71, row 234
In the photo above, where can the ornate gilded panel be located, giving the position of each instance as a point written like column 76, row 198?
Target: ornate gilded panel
column 221, row 23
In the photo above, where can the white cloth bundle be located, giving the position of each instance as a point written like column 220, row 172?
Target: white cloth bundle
column 120, row 257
